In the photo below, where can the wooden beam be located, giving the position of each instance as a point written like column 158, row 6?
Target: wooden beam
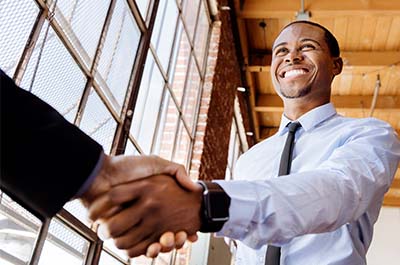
column 396, row 182
column 350, row 59
column 392, row 198
column 256, row 9
column 266, row 132
column 376, row 59
column 273, row 103
column 252, row 99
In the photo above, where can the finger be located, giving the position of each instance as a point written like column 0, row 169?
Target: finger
column 118, row 195
column 123, row 221
column 167, row 167
column 141, row 248
column 180, row 239
column 103, row 232
column 105, row 214
column 153, row 250
column 193, row 238
column 167, row 241
column 185, row 181
column 99, row 206
column 142, row 232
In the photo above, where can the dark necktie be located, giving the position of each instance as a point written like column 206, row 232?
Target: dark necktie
column 273, row 255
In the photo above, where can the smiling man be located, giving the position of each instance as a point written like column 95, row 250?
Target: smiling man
column 318, row 211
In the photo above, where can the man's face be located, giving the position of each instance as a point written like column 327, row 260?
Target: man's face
column 301, row 63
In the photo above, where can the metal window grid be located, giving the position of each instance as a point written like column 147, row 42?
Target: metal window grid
column 50, row 22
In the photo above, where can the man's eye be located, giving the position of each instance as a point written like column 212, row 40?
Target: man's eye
column 307, row 47
column 281, row 51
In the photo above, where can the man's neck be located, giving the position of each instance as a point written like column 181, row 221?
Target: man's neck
column 294, row 109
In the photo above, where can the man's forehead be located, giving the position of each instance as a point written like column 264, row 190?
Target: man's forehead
column 299, row 31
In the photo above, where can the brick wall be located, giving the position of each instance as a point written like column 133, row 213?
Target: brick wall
column 210, row 151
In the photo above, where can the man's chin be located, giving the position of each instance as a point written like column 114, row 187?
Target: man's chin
column 296, row 93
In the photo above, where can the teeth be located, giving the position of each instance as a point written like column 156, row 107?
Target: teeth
column 295, row 72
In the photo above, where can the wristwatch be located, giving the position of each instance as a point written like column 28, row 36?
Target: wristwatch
column 215, row 207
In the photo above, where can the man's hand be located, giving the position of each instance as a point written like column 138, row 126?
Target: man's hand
column 117, row 170
column 151, row 207
column 123, row 169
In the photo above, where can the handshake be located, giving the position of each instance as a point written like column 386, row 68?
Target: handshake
column 146, row 204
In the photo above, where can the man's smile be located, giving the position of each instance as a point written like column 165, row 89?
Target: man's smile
column 293, row 72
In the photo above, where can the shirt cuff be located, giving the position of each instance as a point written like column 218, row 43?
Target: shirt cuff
column 88, row 182
column 242, row 197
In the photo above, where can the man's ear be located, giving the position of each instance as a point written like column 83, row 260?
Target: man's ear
column 337, row 65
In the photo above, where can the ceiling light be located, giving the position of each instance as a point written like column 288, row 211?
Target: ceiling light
column 241, row 89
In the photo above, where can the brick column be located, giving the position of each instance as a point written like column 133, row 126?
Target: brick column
column 210, row 150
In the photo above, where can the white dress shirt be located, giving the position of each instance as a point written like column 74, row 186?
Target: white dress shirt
column 324, row 211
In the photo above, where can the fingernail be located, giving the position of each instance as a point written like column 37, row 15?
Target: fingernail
column 103, row 233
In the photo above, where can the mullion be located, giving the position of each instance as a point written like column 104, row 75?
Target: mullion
column 122, row 131
column 39, row 244
column 30, row 45
column 90, row 78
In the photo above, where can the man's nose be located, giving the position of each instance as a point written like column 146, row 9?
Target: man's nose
column 293, row 56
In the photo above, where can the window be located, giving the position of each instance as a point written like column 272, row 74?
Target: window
column 237, row 143
column 85, row 59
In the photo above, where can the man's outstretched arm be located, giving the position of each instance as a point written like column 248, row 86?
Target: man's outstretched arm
column 46, row 161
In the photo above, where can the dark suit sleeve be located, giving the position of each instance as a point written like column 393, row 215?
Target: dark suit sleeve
column 44, row 158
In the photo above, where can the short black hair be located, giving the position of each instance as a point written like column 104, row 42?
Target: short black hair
column 333, row 44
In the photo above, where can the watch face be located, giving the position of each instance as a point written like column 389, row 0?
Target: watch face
column 218, row 206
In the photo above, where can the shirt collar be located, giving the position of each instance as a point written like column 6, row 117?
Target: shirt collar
column 310, row 119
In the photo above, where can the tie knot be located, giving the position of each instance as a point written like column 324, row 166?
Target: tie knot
column 293, row 126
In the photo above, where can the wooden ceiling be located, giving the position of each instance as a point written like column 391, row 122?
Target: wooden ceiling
column 368, row 32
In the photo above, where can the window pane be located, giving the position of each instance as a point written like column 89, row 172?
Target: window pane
column 98, row 122
column 141, row 260
column 58, row 80
column 164, row 29
column 167, row 129
column 76, row 208
column 148, row 105
column 182, row 145
column 18, row 232
column 192, row 93
column 237, row 150
column 82, row 21
column 143, row 6
column 179, row 64
column 15, row 16
column 228, row 174
column 107, row 259
column 164, row 258
column 109, row 243
column 63, row 246
column 201, row 39
column 183, row 254
column 231, row 149
column 118, row 54
column 190, row 11
column 131, row 149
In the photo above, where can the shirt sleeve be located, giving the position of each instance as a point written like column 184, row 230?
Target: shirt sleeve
column 352, row 180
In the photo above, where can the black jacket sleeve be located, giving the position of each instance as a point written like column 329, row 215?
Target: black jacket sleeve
column 44, row 158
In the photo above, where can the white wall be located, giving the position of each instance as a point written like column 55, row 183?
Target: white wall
column 385, row 246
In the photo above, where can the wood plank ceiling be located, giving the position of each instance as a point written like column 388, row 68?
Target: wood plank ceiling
column 368, row 32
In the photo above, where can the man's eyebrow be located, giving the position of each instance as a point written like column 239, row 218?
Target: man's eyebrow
column 280, row 44
column 312, row 40
column 302, row 40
